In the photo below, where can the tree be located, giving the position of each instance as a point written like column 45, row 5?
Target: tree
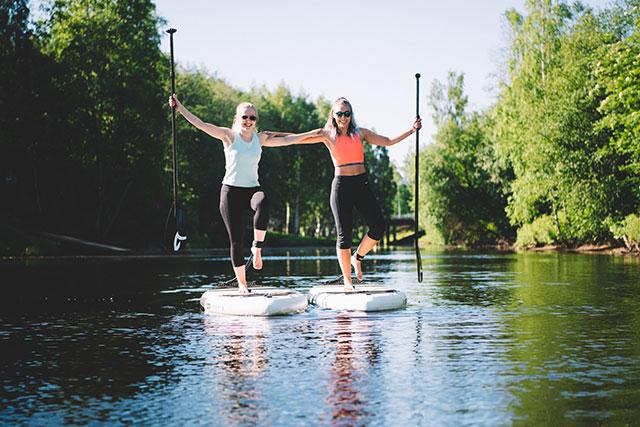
column 618, row 81
column 112, row 78
column 543, row 123
column 23, row 76
column 457, row 197
column 298, row 177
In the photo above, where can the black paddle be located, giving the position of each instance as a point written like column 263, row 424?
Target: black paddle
column 178, row 215
column 417, row 177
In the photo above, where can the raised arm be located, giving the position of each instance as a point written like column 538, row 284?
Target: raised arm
column 269, row 139
column 222, row 133
column 375, row 139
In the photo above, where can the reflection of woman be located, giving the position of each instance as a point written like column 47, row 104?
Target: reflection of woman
column 345, row 399
column 356, row 353
column 240, row 189
column 239, row 359
column 350, row 187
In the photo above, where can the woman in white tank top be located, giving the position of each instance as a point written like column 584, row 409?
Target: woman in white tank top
column 240, row 186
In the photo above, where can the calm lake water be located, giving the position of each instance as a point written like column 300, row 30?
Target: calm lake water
column 486, row 339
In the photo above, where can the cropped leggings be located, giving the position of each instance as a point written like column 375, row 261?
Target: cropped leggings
column 348, row 192
column 233, row 203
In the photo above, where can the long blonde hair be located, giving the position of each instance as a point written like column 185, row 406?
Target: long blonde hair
column 332, row 127
column 236, row 125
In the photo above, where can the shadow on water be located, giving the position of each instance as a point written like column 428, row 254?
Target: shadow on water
column 486, row 339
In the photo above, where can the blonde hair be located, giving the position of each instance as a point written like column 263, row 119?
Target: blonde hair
column 237, row 117
column 332, row 127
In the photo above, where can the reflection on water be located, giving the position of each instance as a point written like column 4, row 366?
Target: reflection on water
column 354, row 350
column 236, row 361
column 486, row 339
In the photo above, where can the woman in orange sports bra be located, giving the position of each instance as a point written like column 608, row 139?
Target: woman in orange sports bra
column 350, row 187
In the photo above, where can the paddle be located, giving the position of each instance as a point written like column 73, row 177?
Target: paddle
column 178, row 215
column 417, row 176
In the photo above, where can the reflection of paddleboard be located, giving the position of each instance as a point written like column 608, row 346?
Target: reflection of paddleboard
column 262, row 301
column 364, row 298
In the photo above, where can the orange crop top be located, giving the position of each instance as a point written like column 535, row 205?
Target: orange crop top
column 348, row 150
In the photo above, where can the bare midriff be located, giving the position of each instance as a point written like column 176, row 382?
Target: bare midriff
column 350, row 170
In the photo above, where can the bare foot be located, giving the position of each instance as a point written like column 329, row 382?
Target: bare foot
column 348, row 286
column 243, row 288
column 357, row 266
column 257, row 258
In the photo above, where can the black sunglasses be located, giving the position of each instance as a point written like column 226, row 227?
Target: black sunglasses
column 346, row 113
column 252, row 118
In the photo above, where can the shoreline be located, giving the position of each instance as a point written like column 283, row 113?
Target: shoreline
column 602, row 249
column 607, row 249
column 589, row 249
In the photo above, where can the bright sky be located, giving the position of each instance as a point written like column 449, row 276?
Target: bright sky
column 366, row 51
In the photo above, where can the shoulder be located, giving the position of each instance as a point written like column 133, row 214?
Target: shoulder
column 263, row 136
column 229, row 137
column 363, row 132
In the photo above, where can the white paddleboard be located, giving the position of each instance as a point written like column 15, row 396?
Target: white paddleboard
column 364, row 298
column 262, row 301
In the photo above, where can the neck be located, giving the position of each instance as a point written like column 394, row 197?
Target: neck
column 246, row 133
column 343, row 129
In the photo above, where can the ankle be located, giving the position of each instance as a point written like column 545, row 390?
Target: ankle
column 356, row 256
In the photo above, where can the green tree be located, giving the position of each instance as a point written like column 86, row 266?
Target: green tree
column 30, row 111
column 298, row 177
column 112, row 77
column 543, row 123
column 617, row 79
column 381, row 179
column 457, row 197
column 404, row 194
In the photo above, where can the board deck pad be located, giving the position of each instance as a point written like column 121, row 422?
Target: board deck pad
column 363, row 298
column 261, row 301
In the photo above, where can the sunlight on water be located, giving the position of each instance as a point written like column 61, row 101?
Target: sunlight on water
column 486, row 339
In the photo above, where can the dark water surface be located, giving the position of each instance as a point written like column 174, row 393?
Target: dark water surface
column 486, row 339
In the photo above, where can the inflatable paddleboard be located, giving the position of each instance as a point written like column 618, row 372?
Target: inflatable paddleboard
column 262, row 301
column 364, row 298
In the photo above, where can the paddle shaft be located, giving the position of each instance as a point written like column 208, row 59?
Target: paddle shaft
column 416, row 185
column 171, row 31
column 177, row 213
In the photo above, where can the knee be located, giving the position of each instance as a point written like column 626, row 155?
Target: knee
column 260, row 204
column 263, row 204
column 343, row 241
column 237, row 258
column 376, row 230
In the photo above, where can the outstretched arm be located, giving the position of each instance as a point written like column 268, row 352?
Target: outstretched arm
column 222, row 133
column 375, row 139
column 310, row 137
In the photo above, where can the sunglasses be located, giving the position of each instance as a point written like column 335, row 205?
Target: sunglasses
column 345, row 113
column 252, row 118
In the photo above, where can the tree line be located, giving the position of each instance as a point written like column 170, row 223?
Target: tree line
column 556, row 159
column 85, row 147
column 85, row 132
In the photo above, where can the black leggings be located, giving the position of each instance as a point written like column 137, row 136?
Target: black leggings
column 233, row 202
column 348, row 192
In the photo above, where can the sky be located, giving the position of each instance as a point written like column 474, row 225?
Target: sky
column 366, row 51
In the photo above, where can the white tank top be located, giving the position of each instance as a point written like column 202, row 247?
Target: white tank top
column 241, row 162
